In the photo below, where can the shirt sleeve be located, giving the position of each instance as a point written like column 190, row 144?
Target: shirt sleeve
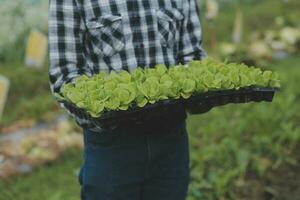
column 191, row 34
column 66, row 48
column 65, row 36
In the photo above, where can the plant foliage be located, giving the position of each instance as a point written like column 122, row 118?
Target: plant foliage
column 106, row 92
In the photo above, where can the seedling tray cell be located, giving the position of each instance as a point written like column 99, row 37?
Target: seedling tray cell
column 197, row 104
column 132, row 115
column 202, row 103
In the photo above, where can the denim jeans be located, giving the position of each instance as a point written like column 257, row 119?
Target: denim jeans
column 136, row 164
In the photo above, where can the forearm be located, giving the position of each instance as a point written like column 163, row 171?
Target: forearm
column 191, row 35
column 67, row 59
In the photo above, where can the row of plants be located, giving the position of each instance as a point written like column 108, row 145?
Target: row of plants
column 112, row 91
column 228, row 145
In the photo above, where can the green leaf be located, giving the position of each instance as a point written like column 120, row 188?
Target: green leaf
column 141, row 101
column 112, row 103
column 75, row 96
column 106, row 92
column 188, row 86
column 58, row 96
column 124, row 77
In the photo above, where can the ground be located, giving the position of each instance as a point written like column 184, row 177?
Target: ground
column 58, row 180
column 246, row 152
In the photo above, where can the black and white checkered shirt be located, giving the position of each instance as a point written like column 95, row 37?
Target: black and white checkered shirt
column 88, row 36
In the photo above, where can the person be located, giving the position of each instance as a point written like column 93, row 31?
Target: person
column 149, row 161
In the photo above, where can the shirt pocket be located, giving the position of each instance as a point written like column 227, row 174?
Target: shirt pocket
column 106, row 34
column 169, row 22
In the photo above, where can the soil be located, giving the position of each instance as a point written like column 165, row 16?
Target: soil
column 280, row 184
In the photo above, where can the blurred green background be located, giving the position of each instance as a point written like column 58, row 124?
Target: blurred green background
column 237, row 151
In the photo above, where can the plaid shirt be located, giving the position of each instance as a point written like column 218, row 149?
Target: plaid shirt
column 89, row 36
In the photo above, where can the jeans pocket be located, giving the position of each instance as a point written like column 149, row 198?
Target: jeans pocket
column 104, row 139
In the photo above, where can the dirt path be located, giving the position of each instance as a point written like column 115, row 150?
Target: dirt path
column 23, row 149
column 279, row 184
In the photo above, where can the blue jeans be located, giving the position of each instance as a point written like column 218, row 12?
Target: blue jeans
column 136, row 164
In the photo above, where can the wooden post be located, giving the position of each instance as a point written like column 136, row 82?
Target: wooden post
column 37, row 48
column 4, row 86
column 212, row 10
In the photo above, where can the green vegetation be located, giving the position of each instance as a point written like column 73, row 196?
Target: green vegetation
column 29, row 95
column 245, row 153
column 120, row 91
column 226, row 145
column 58, row 181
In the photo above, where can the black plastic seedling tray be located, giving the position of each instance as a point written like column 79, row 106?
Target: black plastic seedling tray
column 132, row 115
column 197, row 104
column 203, row 103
